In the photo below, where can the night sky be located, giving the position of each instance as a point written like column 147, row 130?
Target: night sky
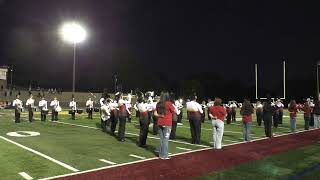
column 209, row 47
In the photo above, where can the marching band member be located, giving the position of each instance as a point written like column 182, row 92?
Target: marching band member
column 312, row 113
column 136, row 108
column 275, row 115
column 217, row 113
column 280, row 107
column 89, row 105
column 209, row 104
column 259, row 112
column 228, row 110
column 55, row 109
column 179, row 105
column 73, row 106
column 43, row 105
column 128, row 109
column 17, row 104
column 293, row 109
column 101, row 101
column 114, row 114
column 122, row 116
column 151, row 108
column 30, row 105
column 268, row 111
column 143, row 121
column 194, row 111
column 105, row 114
column 174, row 118
column 233, row 107
column 203, row 115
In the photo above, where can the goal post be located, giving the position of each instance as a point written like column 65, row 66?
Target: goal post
column 284, row 82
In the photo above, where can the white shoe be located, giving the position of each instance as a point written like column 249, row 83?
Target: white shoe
column 180, row 124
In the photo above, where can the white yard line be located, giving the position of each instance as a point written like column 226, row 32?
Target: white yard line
column 181, row 148
column 133, row 134
column 108, row 162
column 25, row 176
column 136, row 156
column 41, row 154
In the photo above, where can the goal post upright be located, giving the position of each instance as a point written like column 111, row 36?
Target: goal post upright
column 284, row 82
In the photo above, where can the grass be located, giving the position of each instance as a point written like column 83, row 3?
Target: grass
column 279, row 166
column 82, row 147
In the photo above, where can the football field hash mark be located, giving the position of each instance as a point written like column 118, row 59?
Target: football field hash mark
column 135, row 156
column 108, row 162
column 25, row 176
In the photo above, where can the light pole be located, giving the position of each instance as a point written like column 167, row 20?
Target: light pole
column 73, row 33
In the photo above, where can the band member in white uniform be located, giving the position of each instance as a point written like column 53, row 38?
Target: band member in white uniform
column 17, row 104
column 123, row 113
column 105, row 115
column 89, row 105
column 209, row 104
column 179, row 104
column 194, row 111
column 30, row 105
column 280, row 107
column 73, row 106
column 55, row 109
column 233, row 108
column 259, row 112
column 143, row 121
column 43, row 105
column 114, row 114
column 203, row 115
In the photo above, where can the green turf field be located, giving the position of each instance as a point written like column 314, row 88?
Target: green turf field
column 69, row 146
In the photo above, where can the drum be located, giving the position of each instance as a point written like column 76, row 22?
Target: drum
column 58, row 109
column 45, row 112
column 89, row 110
column 96, row 109
column 79, row 111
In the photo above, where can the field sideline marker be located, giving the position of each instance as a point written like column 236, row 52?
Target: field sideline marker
column 135, row 156
column 41, row 154
column 134, row 162
column 25, row 176
column 108, row 162
column 151, row 137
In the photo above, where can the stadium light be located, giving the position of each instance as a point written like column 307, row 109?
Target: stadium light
column 73, row 33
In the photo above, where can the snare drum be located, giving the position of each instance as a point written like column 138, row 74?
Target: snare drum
column 79, row 111
column 58, row 109
column 45, row 112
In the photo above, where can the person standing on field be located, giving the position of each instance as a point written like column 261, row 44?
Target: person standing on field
column 268, row 111
column 163, row 112
column 217, row 114
column 293, row 109
column 316, row 114
column 246, row 112
column 259, row 112
column 194, row 111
